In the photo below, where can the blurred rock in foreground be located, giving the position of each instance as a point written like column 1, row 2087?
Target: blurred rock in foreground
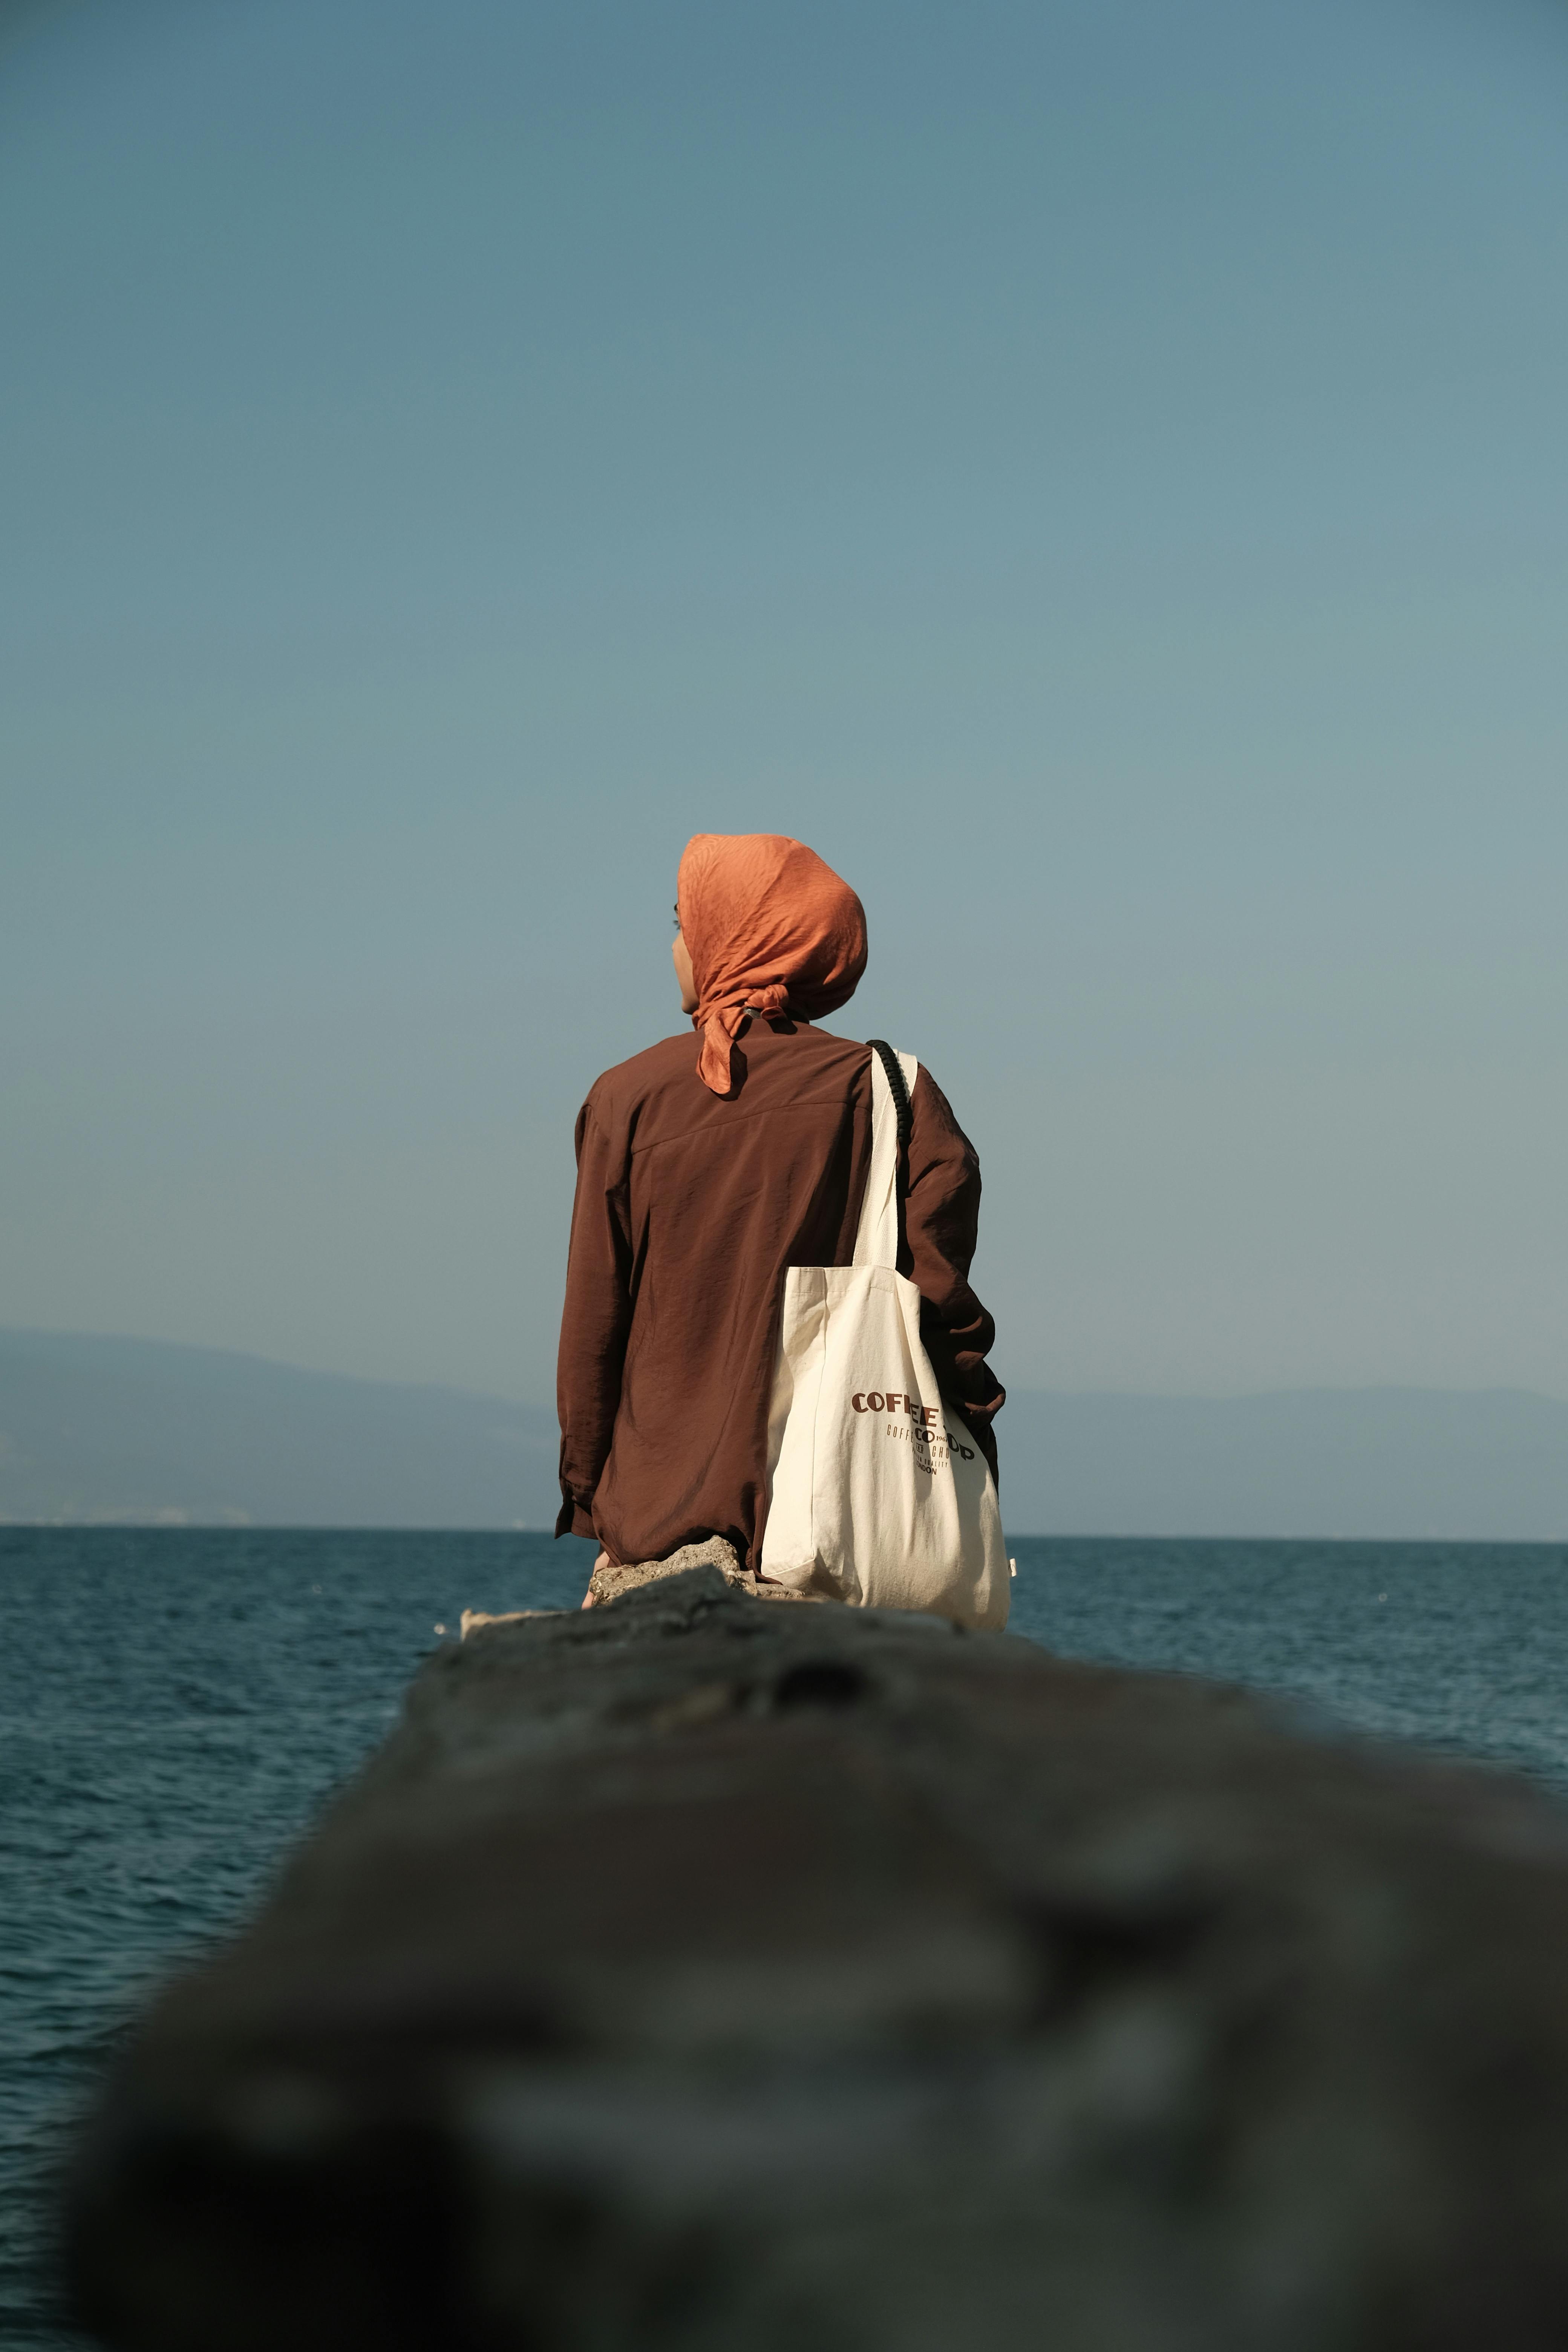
column 692, row 1975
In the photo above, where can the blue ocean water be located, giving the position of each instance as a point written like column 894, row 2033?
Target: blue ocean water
column 175, row 1704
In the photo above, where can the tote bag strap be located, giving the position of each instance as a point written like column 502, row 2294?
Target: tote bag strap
column 896, row 1087
column 877, row 1236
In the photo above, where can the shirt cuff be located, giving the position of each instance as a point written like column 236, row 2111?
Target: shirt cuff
column 573, row 1518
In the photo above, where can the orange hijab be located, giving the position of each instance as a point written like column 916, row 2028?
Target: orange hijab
column 769, row 929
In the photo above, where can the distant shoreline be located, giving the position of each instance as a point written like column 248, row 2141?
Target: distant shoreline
column 98, row 1431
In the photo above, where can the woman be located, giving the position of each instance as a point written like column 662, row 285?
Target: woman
column 700, row 1179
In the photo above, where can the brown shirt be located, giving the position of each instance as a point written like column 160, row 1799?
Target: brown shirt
column 688, row 1208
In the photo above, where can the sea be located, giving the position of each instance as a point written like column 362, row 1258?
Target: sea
column 176, row 1705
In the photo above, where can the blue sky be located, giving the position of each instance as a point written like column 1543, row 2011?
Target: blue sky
column 1096, row 471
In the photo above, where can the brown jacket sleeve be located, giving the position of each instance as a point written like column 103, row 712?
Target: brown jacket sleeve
column 942, row 1214
column 596, row 1320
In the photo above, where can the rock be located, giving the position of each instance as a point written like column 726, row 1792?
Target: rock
column 612, row 1580
column 611, row 1583
column 693, row 1976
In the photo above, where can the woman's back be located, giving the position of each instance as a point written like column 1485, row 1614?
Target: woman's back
column 689, row 1207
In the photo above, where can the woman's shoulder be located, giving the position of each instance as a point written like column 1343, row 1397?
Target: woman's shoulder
column 634, row 1096
column 617, row 1092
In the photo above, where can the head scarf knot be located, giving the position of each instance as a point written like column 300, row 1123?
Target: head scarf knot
column 769, row 929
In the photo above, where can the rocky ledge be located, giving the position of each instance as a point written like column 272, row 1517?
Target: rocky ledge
column 693, row 1975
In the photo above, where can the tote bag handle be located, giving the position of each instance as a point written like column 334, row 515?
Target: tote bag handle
column 896, row 1087
column 880, row 1228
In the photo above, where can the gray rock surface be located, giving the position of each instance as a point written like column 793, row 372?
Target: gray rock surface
column 689, row 1975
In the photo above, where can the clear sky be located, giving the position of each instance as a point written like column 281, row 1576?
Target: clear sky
column 1095, row 470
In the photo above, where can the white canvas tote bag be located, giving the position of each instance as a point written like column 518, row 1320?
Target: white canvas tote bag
column 878, row 1492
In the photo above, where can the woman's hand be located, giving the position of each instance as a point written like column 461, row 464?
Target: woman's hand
column 603, row 1562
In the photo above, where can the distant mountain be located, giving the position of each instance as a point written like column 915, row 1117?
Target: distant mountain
column 140, row 1431
column 1472, row 1464
column 136, row 1430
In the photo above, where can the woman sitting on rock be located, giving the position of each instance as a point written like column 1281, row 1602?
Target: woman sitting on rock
column 700, row 1179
